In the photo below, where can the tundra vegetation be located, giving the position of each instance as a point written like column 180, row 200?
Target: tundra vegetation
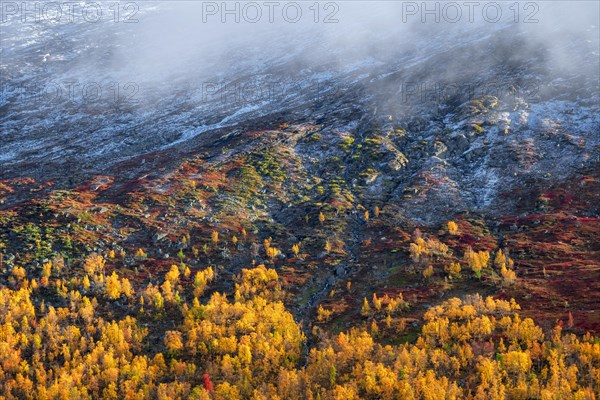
column 270, row 274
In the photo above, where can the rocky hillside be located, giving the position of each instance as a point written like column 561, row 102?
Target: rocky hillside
column 337, row 213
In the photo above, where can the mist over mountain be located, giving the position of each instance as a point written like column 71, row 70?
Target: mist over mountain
column 91, row 94
column 300, row 200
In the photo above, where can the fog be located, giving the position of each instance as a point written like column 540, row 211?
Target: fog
column 202, row 40
column 116, row 79
column 168, row 46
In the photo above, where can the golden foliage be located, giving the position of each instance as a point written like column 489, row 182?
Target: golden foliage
column 201, row 281
column 248, row 346
column 323, row 315
column 366, row 308
column 428, row 272
column 477, row 261
column 421, row 250
column 272, row 252
column 140, row 253
column 454, row 270
column 327, row 247
column 173, row 275
column 19, row 273
column 452, row 228
column 93, row 264
column 296, row 249
column 113, row 286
